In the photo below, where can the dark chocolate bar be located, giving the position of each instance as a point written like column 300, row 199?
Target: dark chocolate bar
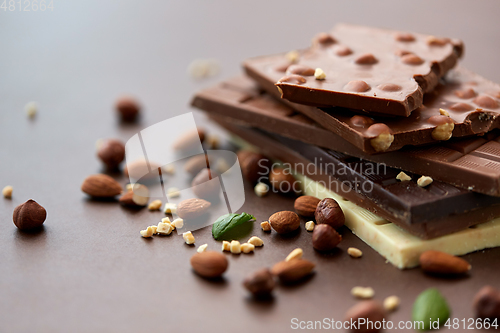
column 373, row 70
column 472, row 163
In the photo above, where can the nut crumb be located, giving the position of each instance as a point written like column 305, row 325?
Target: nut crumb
column 319, row 74
column 154, row 227
column 178, row 223
column 310, row 226
column 170, row 208
column 155, row 205
column 391, row 303
column 173, row 192
column 363, row 292
column 424, row 181
column 213, row 141
column 265, row 226
column 247, row 247
column 31, row 109
column 235, row 247
column 293, row 56
column 203, row 68
column 226, row 246
column 169, row 169
column 443, row 112
column 147, row 233
column 256, row 241
column 202, row 248
column 261, row 189
column 403, row 177
column 164, row 228
column 7, row 192
column 295, row 254
column 188, row 237
column 354, row 252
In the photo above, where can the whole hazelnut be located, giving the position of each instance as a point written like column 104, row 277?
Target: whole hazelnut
column 204, row 186
column 329, row 212
column 111, row 152
column 128, row 108
column 371, row 311
column 260, row 283
column 487, row 303
column 325, row 238
column 284, row 222
column 254, row 166
column 282, row 180
column 29, row 215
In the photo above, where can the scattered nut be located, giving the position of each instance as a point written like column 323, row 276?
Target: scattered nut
column 282, row 180
column 222, row 166
column 142, row 167
column 319, row 74
column 363, row 292
column 306, row 205
column 247, row 247
column 443, row 112
column 295, row 254
column 438, row 262
column 266, row 226
column 155, row 205
column 310, row 226
column 284, row 222
column 202, row 248
column 154, row 227
column 7, row 192
column 260, row 283
column 173, row 192
column 192, row 208
column 111, row 153
column 178, row 223
column 235, row 247
column 329, row 212
column 424, row 181
column 254, row 166
column 203, row 68
column 31, row 109
column 213, row 141
column 188, row 237
column 169, row 169
column 164, row 228
column 256, row 241
column 261, row 189
column 391, row 303
column 190, row 140
column 487, row 303
column 170, row 208
column 128, row 108
column 149, row 232
column 209, row 264
column 354, row 252
column 101, row 186
column 137, row 197
column 29, row 215
column 293, row 270
column 197, row 163
column 403, row 177
column 325, row 238
column 370, row 312
column 293, row 56
column 226, row 246
column 203, row 185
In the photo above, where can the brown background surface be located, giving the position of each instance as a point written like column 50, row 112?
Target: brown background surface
column 89, row 270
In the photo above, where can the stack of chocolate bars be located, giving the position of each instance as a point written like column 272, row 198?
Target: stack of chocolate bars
column 399, row 134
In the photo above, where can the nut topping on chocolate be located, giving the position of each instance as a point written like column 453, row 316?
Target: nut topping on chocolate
column 383, row 137
column 300, row 70
column 412, row 59
column 324, row 39
column 391, row 87
column 404, row 37
column 357, row 86
column 366, row 59
column 486, row 101
column 466, row 93
column 343, row 51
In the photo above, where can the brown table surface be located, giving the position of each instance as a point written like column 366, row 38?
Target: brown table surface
column 89, row 270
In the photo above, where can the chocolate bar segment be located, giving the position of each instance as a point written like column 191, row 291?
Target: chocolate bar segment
column 367, row 69
column 438, row 210
column 470, row 163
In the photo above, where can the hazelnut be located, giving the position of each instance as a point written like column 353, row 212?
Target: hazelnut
column 29, row 215
column 306, row 205
column 284, row 222
column 254, row 166
column 282, row 180
column 128, row 108
column 487, row 303
column 325, row 238
column 329, row 212
column 443, row 132
column 204, row 186
column 370, row 311
column 260, row 283
column 111, row 152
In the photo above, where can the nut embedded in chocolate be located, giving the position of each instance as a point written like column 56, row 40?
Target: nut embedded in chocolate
column 383, row 137
column 366, row 59
column 486, row 101
column 412, row 59
column 29, row 215
column 391, row 87
column 465, row 93
column 325, row 238
column 342, row 51
column 300, row 70
column 404, row 37
column 324, row 39
column 260, row 283
column 329, row 212
column 128, row 108
column 357, row 86
column 293, row 79
column 111, row 152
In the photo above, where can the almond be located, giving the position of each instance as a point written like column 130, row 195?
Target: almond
column 443, row 263
column 190, row 140
column 293, row 270
column 192, row 208
column 209, row 264
column 149, row 170
column 137, row 197
column 197, row 163
column 371, row 311
column 204, row 185
column 284, row 222
column 101, row 186
column 306, row 205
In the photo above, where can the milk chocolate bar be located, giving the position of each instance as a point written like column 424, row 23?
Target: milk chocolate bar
column 471, row 163
column 437, row 210
column 373, row 70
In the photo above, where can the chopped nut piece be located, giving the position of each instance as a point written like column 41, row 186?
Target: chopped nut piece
column 444, row 112
column 170, row 208
column 7, row 192
column 155, row 205
column 164, row 228
column 173, row 192
column 424, row 181
column 295, row 254
column 247, row 247
column 226, row 246
column 293, row 56
column 31, row 109
column 154, row 227
column 212, row 141
column 391, row 303
column 362, row 292
column 443, row 132
column 178, row 223
column 202, row 248
column 203, row 68
column 166, row 219
column 235, row 247
column 265, row 226
column 129, row 187
column 256, row 241
column 403, row 177
column 188, row 237
column 169, row 169
column 310, row 226
column 147, row 233
column 261, row 189
column 319, row 74
column 354, row 252
column 222, row 166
